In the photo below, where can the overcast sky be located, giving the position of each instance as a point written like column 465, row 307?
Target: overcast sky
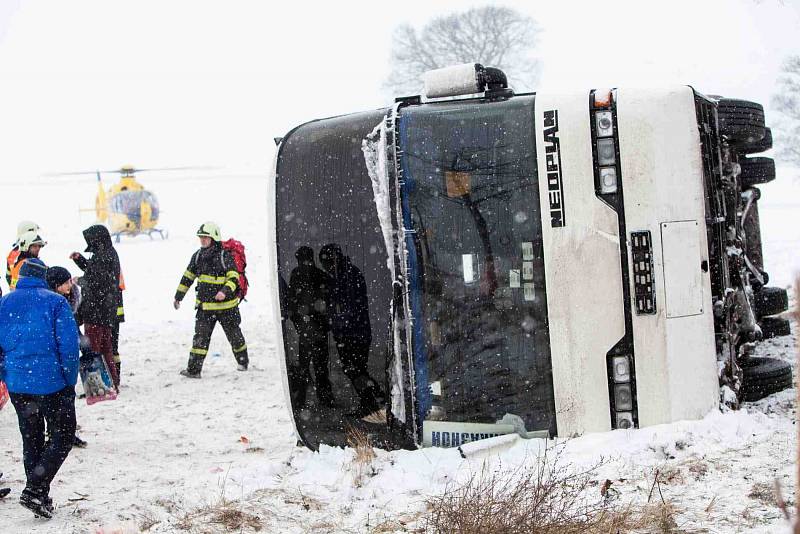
column 102, row 83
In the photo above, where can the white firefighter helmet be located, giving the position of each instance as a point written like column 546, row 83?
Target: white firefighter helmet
column 209, row 229
column 25, row 226
column 30, row 238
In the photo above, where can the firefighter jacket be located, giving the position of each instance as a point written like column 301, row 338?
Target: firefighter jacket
column 12, row 274
column 214, row 270
column 120, row 303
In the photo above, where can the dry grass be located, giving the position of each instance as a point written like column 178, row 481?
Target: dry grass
column 546, row 498
column 361, row 443
column 542, row 499
column 698, row 469
column 147, row 521
column 363, row 455
column 223, row 516
column 764, row 493
column 233, row 518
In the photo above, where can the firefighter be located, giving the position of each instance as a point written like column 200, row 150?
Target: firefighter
column 217, row 299
column 11, row 259
column 115, row 328
column 28, row 244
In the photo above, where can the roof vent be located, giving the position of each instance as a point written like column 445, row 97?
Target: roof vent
column 465, row 79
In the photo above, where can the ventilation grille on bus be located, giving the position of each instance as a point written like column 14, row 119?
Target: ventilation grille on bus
column 644, row 286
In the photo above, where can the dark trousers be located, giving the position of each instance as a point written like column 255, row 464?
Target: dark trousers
column 204, row 324
column 354, row 356
column 115, row 339
column 115, row 348
column 100, row 338
column 313, row 347
column 43, row 459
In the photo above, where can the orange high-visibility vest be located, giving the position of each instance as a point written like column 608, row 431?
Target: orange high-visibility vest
column 11, row 260
column 15, row 274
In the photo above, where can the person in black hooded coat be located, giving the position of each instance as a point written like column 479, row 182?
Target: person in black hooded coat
column 100, row 287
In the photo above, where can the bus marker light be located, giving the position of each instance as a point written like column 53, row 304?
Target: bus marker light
column 606, row 153
column 624, row 420
column 608, row 180
column 605, row 123
column 623, row 397
column 622, row 369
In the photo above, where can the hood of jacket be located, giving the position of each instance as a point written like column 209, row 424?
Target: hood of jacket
column 97, row 238
column 27, row 282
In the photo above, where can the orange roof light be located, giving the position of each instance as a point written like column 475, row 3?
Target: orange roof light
column 602, row 98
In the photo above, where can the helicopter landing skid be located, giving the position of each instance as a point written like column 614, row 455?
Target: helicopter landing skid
column 164, row 234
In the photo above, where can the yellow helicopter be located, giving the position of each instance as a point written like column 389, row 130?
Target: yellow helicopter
column 126, row 207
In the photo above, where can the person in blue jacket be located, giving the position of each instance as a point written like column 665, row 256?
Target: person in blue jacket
column 39, row 343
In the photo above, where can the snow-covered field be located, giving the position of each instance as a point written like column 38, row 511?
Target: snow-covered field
column 168, row 446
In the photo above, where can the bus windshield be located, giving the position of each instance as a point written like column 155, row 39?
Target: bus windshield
column 476, row 269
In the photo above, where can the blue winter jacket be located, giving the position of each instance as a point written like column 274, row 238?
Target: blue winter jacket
column 38, row 340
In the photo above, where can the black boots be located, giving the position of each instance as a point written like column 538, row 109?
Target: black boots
column 4, row 491
column 41, row 505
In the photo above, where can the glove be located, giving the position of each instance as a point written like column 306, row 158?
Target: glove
column 220, row 296
column 177, row 304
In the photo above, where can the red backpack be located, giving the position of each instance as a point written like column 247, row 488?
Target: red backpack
column 236, row 250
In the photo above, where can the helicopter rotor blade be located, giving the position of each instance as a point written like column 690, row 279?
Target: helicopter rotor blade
column 196, row 168
column 131, row 171
column 81, row 173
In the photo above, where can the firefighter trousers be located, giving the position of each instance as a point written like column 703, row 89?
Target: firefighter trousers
column 204, row 324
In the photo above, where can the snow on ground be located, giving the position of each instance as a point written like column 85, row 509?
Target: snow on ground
column 169, row 446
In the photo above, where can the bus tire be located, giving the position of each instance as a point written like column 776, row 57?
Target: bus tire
column 756, row 171
column 775, row 327
column 757, row 146
column 741, row 122
column 763, row 377
column 770, row 301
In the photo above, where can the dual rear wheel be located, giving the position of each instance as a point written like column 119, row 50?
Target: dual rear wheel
column 741, row 123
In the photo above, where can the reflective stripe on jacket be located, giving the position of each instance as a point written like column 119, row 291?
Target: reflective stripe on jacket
column 213, row 270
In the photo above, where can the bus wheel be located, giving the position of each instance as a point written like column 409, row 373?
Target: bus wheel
column 756, row 171
column 770, row 301
column 741, row 122
column 765, row 376
column 775, row 327
column 757, row 146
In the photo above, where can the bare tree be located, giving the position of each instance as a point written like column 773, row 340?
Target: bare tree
column 493, row 36
column 787, row 102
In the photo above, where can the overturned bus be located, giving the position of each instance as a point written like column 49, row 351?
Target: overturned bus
column 475, row 262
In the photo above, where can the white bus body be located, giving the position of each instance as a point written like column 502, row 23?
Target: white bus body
column 540, row 264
